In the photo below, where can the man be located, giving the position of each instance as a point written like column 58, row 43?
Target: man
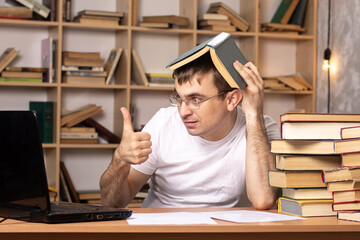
column 207, row 152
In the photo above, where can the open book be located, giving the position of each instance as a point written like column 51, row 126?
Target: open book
column 223, row 51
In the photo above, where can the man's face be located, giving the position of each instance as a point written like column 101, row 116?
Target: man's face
column 208, row 121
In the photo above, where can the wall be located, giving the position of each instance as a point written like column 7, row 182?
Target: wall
column 344, row 37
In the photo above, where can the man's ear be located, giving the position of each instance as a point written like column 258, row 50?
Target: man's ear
column 233, row 99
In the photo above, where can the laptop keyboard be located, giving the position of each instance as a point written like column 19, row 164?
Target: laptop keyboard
column 78, row 208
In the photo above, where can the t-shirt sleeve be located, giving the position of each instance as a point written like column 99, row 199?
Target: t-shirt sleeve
column 153, row 127
column 272, row 128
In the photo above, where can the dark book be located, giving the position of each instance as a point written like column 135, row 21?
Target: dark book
column 298, row 16
column 51, row 4
column 44, row 113
column 288, row 13
column 48, row 58
column 103, row 131
column 281, row 10
column 223, row 51
column 73, row 194
column 67, row 10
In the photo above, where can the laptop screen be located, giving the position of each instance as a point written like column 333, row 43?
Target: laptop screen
column 22, row 172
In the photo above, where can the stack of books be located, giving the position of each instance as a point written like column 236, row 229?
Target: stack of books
column 160, row 79
column 99, row 17
column 236, row 20
column 83, row 68
column 307, row 148
column 215, row 22
column 288, row 18
column 344, row 182
column 164, row 21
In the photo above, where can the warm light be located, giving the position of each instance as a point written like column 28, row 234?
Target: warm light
column 325, row 65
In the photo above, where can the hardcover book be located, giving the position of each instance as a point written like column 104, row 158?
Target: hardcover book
column 306, row 208
column 343, row 185
column 295, row 179
column 36, row 7
column 223, row 51
column 6, row 57
column 306, row 193
column 111, row 63
column 340, row 174
column 44, row 113
column 307, row 162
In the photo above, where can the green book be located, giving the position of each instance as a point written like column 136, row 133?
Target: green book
column 16, row 79
column 44, row 113
column 223, row 51
column 281, row 10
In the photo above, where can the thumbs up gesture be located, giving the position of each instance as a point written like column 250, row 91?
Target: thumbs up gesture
column 135, row 147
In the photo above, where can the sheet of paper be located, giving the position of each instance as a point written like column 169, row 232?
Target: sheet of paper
column 174, row 218
column 245, row 216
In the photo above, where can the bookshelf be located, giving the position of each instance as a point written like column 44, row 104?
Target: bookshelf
column 274, row 54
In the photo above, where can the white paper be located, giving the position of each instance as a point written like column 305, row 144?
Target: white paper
column 174, row 218
column 245, row 216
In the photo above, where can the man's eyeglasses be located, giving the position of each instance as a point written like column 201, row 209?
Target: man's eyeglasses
column 192, row 103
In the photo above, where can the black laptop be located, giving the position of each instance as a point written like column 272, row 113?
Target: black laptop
column 23, row 184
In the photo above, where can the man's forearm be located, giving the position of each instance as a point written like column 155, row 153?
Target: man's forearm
column 258, row 161
column 115, row 190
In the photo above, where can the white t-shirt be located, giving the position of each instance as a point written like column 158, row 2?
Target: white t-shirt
column 189, row 171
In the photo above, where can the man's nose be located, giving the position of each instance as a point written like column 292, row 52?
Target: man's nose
column 184, row 109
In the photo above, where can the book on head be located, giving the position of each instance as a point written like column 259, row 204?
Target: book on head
column 223, row 51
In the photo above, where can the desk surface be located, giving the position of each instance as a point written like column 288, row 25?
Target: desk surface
column 328, row 227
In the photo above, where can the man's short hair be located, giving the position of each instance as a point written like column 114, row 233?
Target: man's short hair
column 198, row 68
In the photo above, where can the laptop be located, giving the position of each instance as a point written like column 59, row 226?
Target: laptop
column 24, row 191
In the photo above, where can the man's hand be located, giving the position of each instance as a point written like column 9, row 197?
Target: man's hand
column 253, row 93
column 135, row 147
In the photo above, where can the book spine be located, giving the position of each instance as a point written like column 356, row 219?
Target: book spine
column 44, row 112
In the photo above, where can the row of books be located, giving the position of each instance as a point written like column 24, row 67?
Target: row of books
column 317, row 164
column 288, row 17
column 288, row 82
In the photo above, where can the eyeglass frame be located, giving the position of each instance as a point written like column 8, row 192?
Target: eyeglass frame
column 179, row 100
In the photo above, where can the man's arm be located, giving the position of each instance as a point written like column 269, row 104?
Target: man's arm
column 120, row 183
column 258, row 157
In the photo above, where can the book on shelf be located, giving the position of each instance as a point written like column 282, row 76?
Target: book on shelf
column 101, row 13
column 236, row 19
column 110, row 19
column 307, row 147
column 298, row 15
column 295, row 81
column 90, row 62
column 219, row 28
column 35, row 6
column 306, row 208
column 111, row 63
column 79, row 141
column 307, row 162
column 223, row 51
column 346, row 196
column 87, row 20
column 102, row 131
column 306, row 193
column 84, row 117
column 204, row 23
column 172, row 19
column 295, row 179
column 284, row 11
column 22, row 74
column 51, row 4
column 67, row 10
column 276, row 85
column 350, row 159
column 155, row 25
column 16, row 79
column 15, row 12
column 48, row 58
column 350, row 132
column 85, row 73
column 160, row 79
column 340, row 174
column 345, row 185
column 78, row 114
column 84, row 80
column 280, row 27
column 25, row 69
column 75, row 54
column 138, row 74
column 213, row 16
column 82, row 68
column 79, row 135
column 68, row 181
column 45, row 117
column 7, row 57
column 77, row 130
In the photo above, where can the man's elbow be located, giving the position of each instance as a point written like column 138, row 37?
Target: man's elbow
column 263, row 204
